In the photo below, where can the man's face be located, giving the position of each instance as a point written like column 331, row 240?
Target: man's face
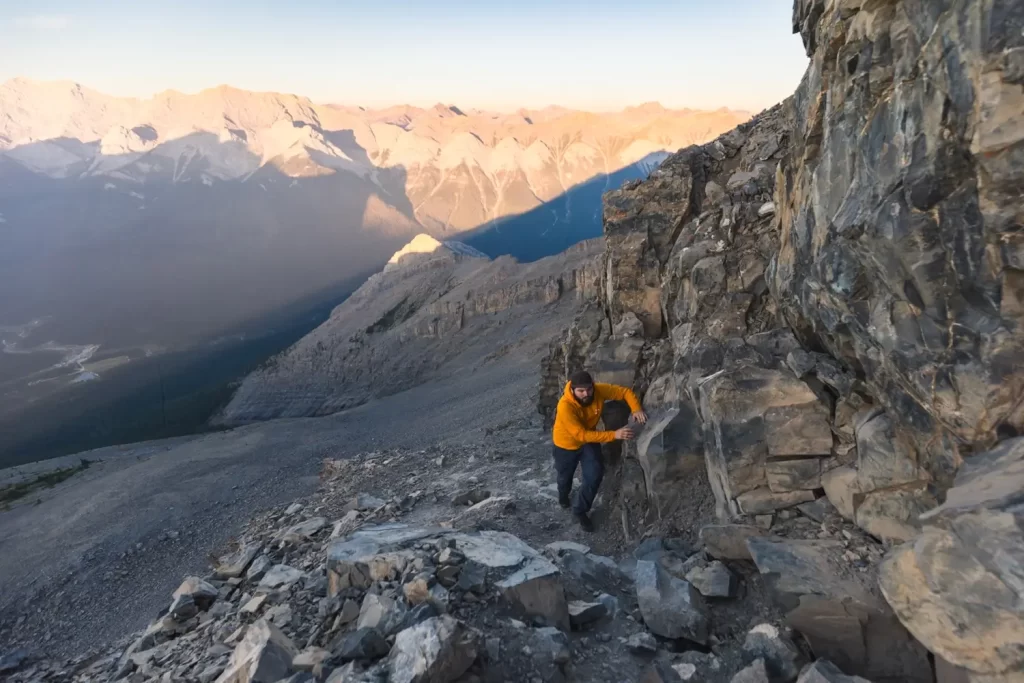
column 584, row 395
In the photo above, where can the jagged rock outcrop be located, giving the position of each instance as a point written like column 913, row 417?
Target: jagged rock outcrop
column 826, row 301
column 437, row 302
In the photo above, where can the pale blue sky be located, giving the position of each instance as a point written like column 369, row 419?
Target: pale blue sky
column 593, row 55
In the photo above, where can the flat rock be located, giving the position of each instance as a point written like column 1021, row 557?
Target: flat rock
column 582, row 613
column 438, row 649
column 536, row 590
column 713, row 580
column 310, row 659
column 817, row 510
column 729, row 541
column 303, row 530
column 264, row 655
column 558, row 547
column 281, row 575
column 840, row 487
column 365, row 501
column 671, row 607
column 642, row 643
column 824, row 671
column 552, row 652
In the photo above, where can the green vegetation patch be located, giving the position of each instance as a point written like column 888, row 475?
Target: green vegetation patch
column 47, row 480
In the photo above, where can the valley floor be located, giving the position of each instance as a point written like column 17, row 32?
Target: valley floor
column 123, row 532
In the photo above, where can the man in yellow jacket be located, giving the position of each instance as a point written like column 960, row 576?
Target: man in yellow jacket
column 577, row 443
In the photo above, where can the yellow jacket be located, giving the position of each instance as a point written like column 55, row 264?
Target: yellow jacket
column 574, row 424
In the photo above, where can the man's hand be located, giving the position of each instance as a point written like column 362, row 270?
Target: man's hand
column 624, row 434
column 640, row 416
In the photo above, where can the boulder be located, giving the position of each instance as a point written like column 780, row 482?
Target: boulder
column 583, row 613
column 713, row 580
column 596, row 571
column 956, row 586
column 263, row 656
column 438, row 649
column 552, row 653
column 201, row 593
column 779, row 656
column 671, row 607
column 536, row 590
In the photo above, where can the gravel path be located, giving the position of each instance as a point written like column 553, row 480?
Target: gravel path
column 96, row 558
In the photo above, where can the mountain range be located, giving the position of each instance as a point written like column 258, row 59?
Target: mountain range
column 135, row 228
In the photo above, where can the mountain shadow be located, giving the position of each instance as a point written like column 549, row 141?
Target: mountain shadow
column 558, row 224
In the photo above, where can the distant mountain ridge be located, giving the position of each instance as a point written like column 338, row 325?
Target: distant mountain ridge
column 457, row 169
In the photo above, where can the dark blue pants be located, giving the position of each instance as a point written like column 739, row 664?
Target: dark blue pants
column 589, row 457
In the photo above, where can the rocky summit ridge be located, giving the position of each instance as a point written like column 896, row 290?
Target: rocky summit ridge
column 821, row 312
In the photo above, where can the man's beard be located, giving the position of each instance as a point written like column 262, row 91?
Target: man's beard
column 585, row 401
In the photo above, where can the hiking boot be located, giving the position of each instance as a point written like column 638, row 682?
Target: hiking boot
column 563, row 500
column 584, row 521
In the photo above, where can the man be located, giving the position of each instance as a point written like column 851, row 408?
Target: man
column 576, row 441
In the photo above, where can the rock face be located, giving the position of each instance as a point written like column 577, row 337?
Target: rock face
column 405, row 324
column 828, row 299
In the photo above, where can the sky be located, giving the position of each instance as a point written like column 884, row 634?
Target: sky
column 501, row 55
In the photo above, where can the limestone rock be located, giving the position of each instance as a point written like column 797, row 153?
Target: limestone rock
column 729, row 541
column 583, row 613
column 754, row 673
column 779, row 657
column 955, row 586
column 840, row 615
column 263, row 656
column 363, row 644
column 841, row 487
column 671, row 607
column 200, row 592
column 754, row 415
column 536, row 590
column 713, row 580
column 438, row 649
column 596, row 571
